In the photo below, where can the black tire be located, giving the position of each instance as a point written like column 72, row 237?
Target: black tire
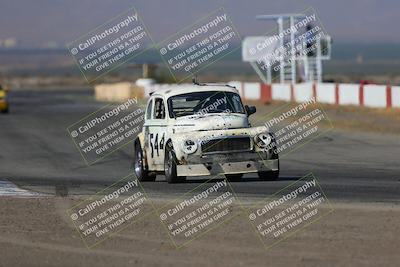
column 139, row 169
column 5, row 111
column 234, row 177
column 269, row 176
column 170, row 163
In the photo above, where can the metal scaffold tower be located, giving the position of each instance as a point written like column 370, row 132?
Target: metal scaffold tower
column 292, row 66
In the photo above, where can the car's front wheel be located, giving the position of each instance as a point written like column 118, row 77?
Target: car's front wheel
column 234, row 177
column 140, row 171
column 170, row 163
column 269, row 175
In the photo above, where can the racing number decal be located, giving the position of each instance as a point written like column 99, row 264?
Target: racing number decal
column 151, row 145
column 154, row 145
column 162, row 141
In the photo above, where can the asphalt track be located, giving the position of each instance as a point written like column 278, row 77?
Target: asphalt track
column 36, row 153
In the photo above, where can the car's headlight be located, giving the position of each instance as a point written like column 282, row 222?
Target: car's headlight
column 263, row 140
column 189, row 146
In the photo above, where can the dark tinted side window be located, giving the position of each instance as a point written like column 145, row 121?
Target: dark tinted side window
column 159, row 109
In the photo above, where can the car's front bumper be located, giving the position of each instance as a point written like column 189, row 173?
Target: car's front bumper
column 227, row 168
column 246, row 162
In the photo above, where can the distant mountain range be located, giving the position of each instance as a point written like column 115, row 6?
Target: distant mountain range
column 340, row 51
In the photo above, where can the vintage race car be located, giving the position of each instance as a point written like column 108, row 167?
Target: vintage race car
column 199, row 130
column 3, row 100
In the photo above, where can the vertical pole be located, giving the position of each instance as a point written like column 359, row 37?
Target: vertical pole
column 318, row 61
column 293, row 55
column 306, row 65
column 269, row 75
column 282, row 63
column 314, row 90
column 242, row 90
column 145, row 70
column 292, row 96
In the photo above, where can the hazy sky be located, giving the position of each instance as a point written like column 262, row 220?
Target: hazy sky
column 41, row 21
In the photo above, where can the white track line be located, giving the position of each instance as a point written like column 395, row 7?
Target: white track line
column 8, row 188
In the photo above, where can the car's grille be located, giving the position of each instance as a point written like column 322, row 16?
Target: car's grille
column 227, row 144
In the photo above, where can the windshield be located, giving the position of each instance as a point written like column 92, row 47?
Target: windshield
column 202, row 103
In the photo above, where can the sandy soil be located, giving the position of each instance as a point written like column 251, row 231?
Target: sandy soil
column 349, row 118
column 37, row 232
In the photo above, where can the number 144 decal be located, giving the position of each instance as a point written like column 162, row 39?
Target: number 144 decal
column 155, row 145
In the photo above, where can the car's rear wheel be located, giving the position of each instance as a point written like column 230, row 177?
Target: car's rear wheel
column 170, row 163
column 269, row 176
column 140, row 171
column 234, row 177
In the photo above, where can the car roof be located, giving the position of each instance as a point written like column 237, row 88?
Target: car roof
column 179, row 89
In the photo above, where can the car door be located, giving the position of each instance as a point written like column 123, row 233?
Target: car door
column 156, row 133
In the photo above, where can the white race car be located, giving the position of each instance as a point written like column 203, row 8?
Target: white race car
column 202, row 130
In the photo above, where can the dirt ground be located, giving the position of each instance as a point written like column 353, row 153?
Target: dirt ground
column 349, row 118
column 37, row 232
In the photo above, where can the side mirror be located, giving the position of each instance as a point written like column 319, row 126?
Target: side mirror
column 250, row 110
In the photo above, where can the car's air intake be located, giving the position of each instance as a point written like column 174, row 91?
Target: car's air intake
column 227, row 144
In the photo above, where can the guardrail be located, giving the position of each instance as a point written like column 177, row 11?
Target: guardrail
column 371, row 95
